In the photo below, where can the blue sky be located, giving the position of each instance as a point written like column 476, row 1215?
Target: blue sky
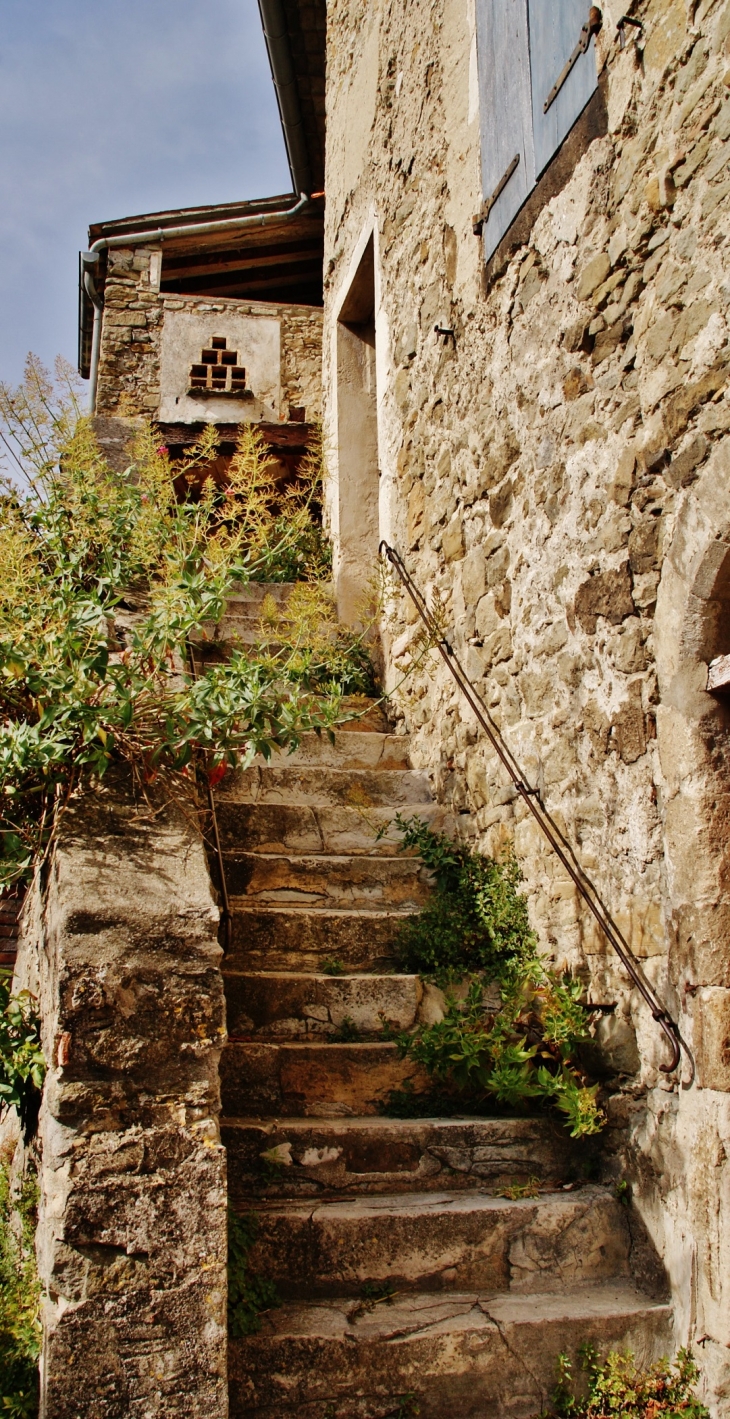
column 110, row 108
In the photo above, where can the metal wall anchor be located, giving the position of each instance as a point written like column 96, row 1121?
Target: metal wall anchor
column 592, row 26
column 446, row 333
column 621, row 27
column 487, row 205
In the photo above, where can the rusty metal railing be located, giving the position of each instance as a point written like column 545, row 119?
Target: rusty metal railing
column 547, row 825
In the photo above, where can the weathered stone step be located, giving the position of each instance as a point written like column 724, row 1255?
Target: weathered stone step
column 462, row 1355
column 296, row 1004
column 351, row 749
column 301, row 828
column 301, row 938
column 254, row 592
column 314, row 1157
column 352, row 788
column 323, row 880
column 306, row 1080
column 433, row 1241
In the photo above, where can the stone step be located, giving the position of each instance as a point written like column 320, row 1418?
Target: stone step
column 460, row 1355
column 302, row 938
column 351, row 749
column 317, row 1157
column 254, row 592
column 322, row 880
column 301, row 828
column 350, row 788
column 310, row 1080
column 298, row 1004
column 439, row 1240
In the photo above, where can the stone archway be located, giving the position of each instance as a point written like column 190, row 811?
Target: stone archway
column 692, row 628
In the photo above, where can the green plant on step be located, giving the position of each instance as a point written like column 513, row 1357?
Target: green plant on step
column 515, row 1191
column 347, row 1033
column 22, row 1066
column 616, row 1386
column 20, row 1295
column 514, row 1040
column 516, row 1052
column 249, row 1295
column 332, row 967
column 303, row 636
column 476, row 918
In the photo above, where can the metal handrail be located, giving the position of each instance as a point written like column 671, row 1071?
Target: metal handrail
column 531, row 797
column 226, row 917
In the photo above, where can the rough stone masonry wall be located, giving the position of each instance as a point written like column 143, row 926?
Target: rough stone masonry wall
column 120, row 946
column 561, row 476
column 134, row 313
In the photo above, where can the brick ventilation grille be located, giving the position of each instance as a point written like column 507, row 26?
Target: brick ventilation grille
column 10, row 909
column 219, row 371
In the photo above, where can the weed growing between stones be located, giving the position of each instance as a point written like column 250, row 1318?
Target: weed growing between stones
column 104, row 579
column 514, row 1039
column 616, row 1386
column 20, row 1329
column 249, row 1295
column 22, row 1066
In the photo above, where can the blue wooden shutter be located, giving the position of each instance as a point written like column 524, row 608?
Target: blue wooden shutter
column 555, row 27
column 503, row 58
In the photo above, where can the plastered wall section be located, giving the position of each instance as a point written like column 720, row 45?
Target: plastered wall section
column 120, row 946
column 559, row 476
column 150, row 339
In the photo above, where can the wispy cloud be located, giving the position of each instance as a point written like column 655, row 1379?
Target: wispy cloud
column 109, row 110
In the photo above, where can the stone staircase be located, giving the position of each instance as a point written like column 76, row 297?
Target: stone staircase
column 410, row 1283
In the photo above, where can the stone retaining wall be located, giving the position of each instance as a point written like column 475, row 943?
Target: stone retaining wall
column 559, row 473
column 121, row 947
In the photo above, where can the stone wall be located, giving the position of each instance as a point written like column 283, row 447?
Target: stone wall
column 133, row 335
column 559, row 473
column 120, row 946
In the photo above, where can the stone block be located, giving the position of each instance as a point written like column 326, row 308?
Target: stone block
column 594, row 273
column 711, row 1017
column 452, row 542
column 473, row 576
column 644, row 545
column 606, row 594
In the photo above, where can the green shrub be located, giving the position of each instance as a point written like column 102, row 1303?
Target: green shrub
column 20, row 1331
column 616, row 1387
column 476, row 918
column 22, row 1066
column 513, row 1041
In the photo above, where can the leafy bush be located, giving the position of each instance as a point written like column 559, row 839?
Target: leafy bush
column 83, row 681
column 305, row 638
column 22, row 1066
column 20, row 1331
column 475, row 920
column 514, row 1039
column 617, row 1387
column 514, row 1050
column 248, row 1295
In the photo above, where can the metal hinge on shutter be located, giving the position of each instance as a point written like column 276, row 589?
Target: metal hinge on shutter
column 483, row 216
column 592, row 26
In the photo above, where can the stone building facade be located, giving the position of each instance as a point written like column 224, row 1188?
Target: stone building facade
column 151, row 340
column 543, row 436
